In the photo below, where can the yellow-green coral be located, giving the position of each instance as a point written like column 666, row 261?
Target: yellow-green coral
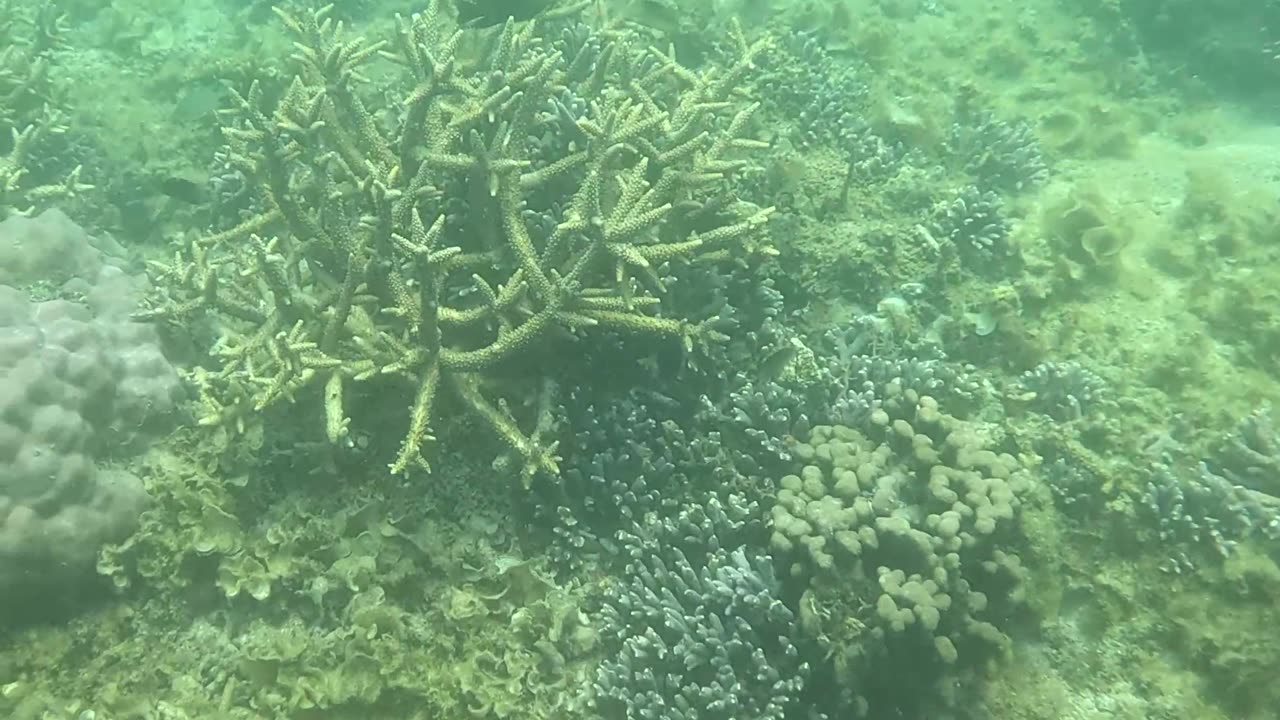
column 342, row 607
column 394, row 238
column 27, row 114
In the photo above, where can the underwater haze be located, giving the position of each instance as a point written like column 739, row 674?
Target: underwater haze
column 639, row 360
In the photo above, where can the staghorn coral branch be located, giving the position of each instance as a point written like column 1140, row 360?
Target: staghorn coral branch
column 432, row 231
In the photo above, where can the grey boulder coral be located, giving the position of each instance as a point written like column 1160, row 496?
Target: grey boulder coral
column 79, row 382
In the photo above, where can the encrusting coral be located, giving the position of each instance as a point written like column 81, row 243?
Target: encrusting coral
column 437, row 231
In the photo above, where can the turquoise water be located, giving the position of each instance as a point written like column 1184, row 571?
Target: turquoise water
column 647, row 360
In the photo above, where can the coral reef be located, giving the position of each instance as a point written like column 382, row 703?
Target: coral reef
column 429, row 240
column 941, row 436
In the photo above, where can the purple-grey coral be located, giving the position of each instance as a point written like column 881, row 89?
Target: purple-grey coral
column 1218, row 502
column 79, row 383
column 974, row 224
column 1250, row 456
column 1065, row 391
column 819, row 93
column 698, row 626
column 1001, row 155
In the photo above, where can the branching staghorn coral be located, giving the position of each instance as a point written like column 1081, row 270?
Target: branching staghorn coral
column 27, row 117
column 497, row 204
